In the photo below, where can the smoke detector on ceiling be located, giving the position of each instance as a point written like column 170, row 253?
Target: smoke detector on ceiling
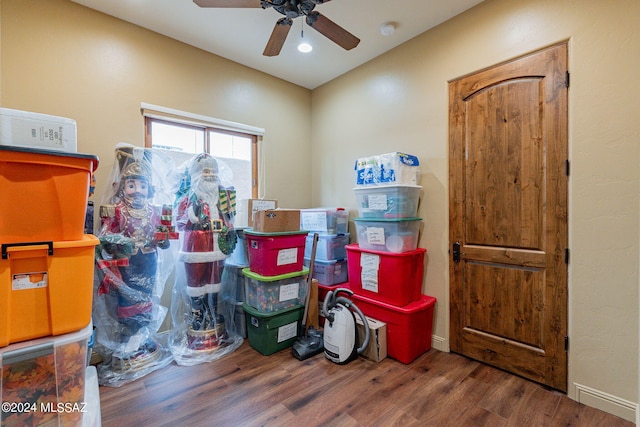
column 387, row 28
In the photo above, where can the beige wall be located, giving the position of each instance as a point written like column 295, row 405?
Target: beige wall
column 399, row 101
column 64, row 59
column 60, row 58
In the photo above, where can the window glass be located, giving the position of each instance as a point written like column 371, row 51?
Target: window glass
column 175, row 137
column 237, row 151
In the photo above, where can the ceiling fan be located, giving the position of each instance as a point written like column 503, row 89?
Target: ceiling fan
column 291, row 9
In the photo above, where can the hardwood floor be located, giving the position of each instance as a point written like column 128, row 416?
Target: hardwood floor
column 249, row 389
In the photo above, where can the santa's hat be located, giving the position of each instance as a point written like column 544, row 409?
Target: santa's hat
column 200, row 162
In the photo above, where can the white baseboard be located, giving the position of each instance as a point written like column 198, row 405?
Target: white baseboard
column 439, row 343
column 606, row 402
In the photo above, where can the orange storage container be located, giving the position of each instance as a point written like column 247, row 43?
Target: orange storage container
column 43, row 194
column 45, row 288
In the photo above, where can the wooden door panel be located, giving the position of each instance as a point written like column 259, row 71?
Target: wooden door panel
column 510, row 306
column 508, row 216
column 503, row 177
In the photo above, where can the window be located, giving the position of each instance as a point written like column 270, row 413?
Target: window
column 182, row 135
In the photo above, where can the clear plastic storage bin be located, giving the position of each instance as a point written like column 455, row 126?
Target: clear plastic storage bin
column 43, row 380
column 329, row 247
column 272, row 293
column 329, row 272
column 390, row 235
column 392, row 201
column 325, row 220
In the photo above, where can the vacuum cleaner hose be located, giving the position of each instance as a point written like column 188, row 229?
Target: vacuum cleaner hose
column 350, row 305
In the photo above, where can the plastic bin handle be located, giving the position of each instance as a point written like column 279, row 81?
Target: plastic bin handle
column 6, row 246
column 27, row 353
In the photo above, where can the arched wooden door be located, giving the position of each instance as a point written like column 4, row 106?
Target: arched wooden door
column 508, row 216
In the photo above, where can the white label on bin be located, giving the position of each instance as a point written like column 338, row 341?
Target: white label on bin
column 287, row 256
column 315, row 221
column 287, row 331
column 261, row 205
column 377, row 202
column 370, row 264
column 375, row 235
column 288, row 292
column 37, row 280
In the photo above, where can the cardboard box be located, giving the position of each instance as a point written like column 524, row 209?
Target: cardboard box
column 248, row 207
column 276, row 220
column 34, row 130
column 377, row 348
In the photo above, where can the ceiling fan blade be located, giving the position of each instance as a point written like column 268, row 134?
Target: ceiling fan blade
column 228, row 3
column 278, row 36
column 332, row 31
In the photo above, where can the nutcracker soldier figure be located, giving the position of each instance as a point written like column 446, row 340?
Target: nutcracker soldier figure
column 204, row 215
column 127, row 259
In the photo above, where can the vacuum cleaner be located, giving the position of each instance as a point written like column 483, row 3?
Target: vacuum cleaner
column 309, row 341
column 340, row 332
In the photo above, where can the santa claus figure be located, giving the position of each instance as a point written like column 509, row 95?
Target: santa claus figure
column 204, row 216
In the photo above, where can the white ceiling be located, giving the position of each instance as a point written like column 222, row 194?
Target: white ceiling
column 241, row 34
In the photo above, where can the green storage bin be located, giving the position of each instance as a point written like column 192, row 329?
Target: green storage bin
column 269, row 333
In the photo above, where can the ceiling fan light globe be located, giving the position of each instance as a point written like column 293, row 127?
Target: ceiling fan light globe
column 305, row 47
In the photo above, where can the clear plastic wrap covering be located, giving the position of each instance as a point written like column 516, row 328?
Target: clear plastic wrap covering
column 134, row 259
column 203, row 215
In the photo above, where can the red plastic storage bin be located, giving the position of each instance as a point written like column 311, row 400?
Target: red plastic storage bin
column 273, row 254
column 393, row 278
column 409, row 328
column 324, row 289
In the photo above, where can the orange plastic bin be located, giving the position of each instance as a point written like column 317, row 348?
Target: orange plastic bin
column 45, row 288
column 43, row 194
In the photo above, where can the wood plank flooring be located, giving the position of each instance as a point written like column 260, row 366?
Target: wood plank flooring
column 249, row 389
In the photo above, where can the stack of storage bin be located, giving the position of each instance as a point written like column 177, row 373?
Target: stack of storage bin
column 275, row 289
column 46, row 284
column 331, row 225
column 233, row 279
column 386, row 267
